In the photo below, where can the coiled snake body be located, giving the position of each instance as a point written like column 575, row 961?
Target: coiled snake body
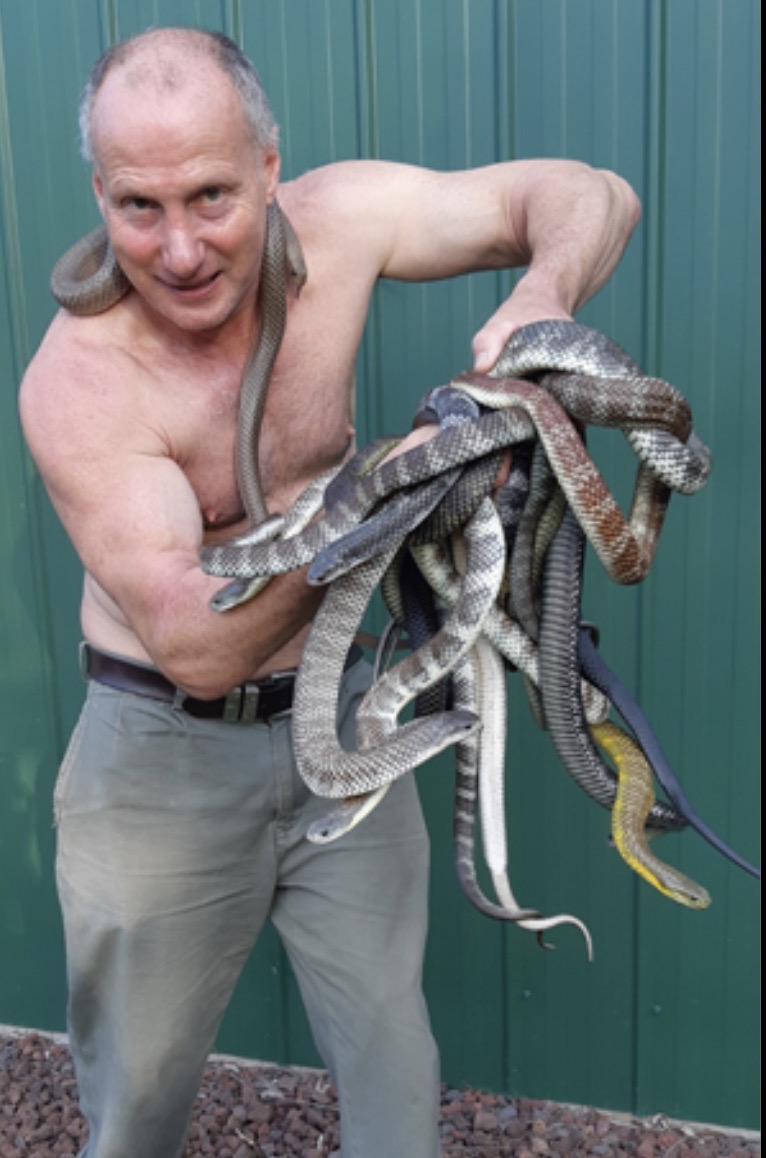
column 552, row 379
column 89, row 280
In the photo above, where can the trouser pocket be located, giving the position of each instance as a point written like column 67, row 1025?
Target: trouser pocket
column 65, row 768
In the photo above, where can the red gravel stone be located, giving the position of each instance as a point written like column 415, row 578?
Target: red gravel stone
column 263, row 1112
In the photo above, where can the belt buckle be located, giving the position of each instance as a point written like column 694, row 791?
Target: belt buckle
column 241, row 704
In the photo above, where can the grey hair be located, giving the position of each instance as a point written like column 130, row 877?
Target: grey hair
column 218, row 48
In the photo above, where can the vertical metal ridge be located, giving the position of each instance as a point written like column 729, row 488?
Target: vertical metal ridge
column 655, row 178
column 20, row 355
column 234, row 23
column 10, row 220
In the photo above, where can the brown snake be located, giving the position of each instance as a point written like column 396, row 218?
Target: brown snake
column 655, row 419
column 626, row 547
column 89, row 280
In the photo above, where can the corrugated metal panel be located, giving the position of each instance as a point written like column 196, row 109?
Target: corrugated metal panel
column 31, row 989
column 699, row 666
column 667, row 94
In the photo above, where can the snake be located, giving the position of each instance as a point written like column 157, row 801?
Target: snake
column 88, row 279
column 326, row 768
column 505, row 634
column 393, row 519
column 635, row 796
column 478, row 780
column 438, row 654
column 522, row 597
column 572, row 736
column 626, row 547
column 560, row 674
column 671, row 457
column 600, row 384
column 353, row 809
column 478, row 588
column 596, row 670
column 307, row 505
column 450, row 448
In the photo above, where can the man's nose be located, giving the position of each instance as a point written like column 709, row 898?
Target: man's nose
column 182, row 252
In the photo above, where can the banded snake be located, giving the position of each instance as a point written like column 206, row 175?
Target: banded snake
column 566, row 360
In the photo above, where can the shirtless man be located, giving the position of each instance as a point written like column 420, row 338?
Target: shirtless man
column 179, row 834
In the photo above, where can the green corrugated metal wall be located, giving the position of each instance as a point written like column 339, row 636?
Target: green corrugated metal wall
column 665, row 1019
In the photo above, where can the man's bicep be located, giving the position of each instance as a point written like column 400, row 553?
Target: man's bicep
column 449, row 224
column 409, row 223
column 133, row 520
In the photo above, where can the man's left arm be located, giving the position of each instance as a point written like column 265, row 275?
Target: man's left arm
column 567, row 223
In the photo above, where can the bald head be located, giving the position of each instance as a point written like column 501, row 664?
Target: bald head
column 169, row 60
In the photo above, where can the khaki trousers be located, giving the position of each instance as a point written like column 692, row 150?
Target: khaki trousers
column 177, row 839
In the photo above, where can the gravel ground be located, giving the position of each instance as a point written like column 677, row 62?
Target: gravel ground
column 256, row 1111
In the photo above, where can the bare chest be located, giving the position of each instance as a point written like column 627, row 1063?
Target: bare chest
column 306, row 427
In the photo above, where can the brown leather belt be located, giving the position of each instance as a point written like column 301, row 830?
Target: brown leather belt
column 254, row 700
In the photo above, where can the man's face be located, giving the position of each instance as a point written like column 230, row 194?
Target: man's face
column 183, row 191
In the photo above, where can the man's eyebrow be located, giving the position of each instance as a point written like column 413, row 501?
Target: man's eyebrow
column 122, row 186
column 125, row 188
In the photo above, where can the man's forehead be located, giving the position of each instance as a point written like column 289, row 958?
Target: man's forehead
column 163, row 57
column 132, row 107
column 161, row 73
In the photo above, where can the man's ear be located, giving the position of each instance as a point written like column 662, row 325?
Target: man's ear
column 271, row 169
column 98, row 190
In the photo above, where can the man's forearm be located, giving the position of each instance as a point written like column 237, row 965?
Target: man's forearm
column 207, row 652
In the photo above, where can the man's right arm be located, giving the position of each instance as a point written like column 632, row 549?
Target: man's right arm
column 136, row 525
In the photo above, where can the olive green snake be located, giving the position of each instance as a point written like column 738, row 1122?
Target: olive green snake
column 633, row 802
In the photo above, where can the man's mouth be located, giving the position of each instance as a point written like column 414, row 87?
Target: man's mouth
column 188, row 290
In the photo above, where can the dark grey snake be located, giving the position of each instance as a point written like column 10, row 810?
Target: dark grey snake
column 449, row 449
column 670, row 454
column 579, row 378
column 389, row 751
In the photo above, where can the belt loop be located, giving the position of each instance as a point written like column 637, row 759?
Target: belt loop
column 251, row 694
column 232, row 706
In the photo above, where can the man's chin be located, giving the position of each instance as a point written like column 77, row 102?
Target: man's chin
column 189, row 314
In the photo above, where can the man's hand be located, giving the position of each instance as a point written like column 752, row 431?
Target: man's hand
column 488, row 342
column 569, row 226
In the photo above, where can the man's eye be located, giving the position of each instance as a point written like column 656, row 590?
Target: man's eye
column 213, row 194
column 141, row 204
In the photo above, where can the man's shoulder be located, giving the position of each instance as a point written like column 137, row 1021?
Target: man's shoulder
column 341, row 183
column 66, row 385
column 69, row 347
column 348, row 208
column 59, row 353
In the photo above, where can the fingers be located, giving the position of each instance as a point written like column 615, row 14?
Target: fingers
column 489, row 341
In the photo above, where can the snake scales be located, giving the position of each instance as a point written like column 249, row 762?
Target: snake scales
column 482, row 554
column 88, row 280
